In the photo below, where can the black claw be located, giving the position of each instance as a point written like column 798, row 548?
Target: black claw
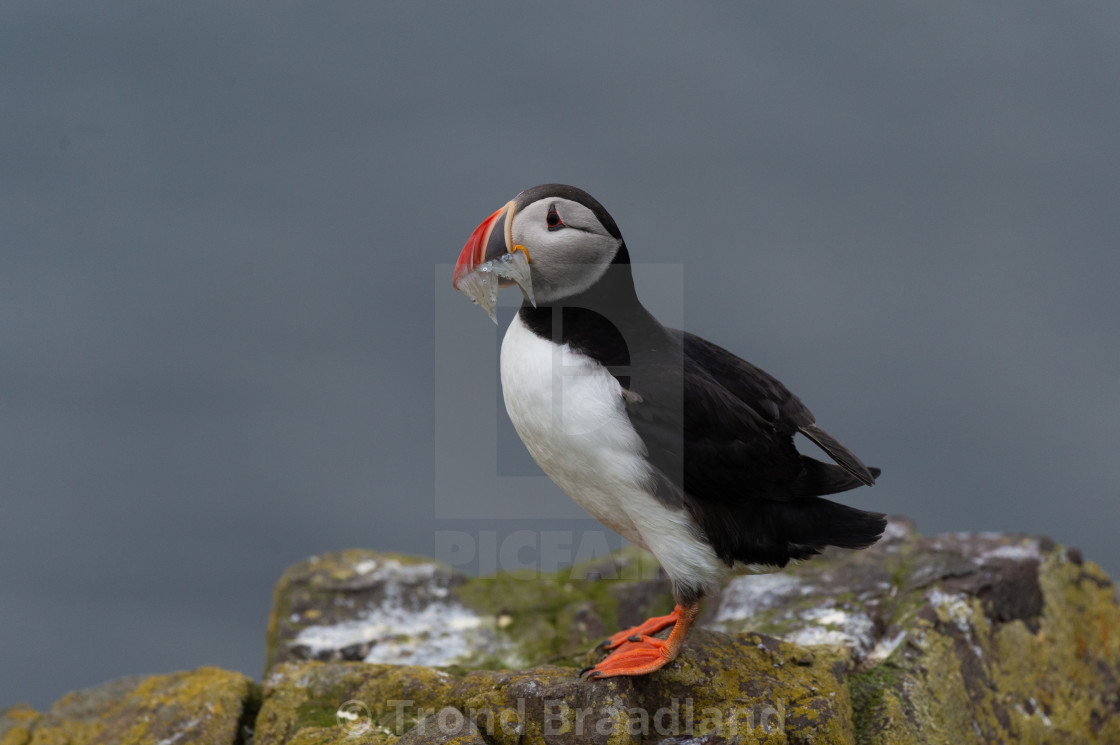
column 603, row 644
column 634, row 638
column 584, row 670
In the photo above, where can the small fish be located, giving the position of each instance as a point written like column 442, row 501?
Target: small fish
column 481, row 285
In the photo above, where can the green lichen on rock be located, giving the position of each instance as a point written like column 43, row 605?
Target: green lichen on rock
column 872, row 706
column 16, row 724
column 976, row 670
column 960, row 638
column 328, row 702
column 367, row 606
column 756, row 686
column 203, row 705
column 555, row 618
column 749, row 686
column 1061, row 681
column 955, row 638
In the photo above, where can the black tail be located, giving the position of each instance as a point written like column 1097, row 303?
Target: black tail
column 821, row 522
column 769, row 532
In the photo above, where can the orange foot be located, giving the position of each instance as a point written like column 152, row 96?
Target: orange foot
column 642, row 654
column 635, row 658
column 646, row 628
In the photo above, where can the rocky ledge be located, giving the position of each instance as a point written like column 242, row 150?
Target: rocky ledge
column 960, row 638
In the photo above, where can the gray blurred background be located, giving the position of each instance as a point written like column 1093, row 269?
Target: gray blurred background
column 223, row 231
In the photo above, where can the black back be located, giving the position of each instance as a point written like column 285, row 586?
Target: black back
column 718, row 431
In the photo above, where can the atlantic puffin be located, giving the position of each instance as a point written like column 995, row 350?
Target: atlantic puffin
column 671, row 441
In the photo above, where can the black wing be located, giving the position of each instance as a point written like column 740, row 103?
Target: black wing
column 763, row 393
column 719, row 433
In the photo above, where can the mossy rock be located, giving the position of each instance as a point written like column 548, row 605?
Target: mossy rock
column 975, row 637
column 748, row 686
column 16, row 724
column 359, row 605
column 960, row 638
column 205, row 705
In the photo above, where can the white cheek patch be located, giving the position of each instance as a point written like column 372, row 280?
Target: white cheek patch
column 567, row 261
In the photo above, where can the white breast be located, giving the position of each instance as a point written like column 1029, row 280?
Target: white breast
column 570, row 414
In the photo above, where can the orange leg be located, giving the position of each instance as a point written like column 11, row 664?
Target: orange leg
column 646, row 628
column 648, row 653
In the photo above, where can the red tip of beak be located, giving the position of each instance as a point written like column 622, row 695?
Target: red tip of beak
column 474, row 253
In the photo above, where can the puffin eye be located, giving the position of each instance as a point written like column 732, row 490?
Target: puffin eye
column 553, row 219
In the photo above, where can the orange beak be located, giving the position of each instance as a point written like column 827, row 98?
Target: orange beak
column 489, row 241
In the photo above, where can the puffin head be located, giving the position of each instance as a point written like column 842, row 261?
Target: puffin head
column 555, row 241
